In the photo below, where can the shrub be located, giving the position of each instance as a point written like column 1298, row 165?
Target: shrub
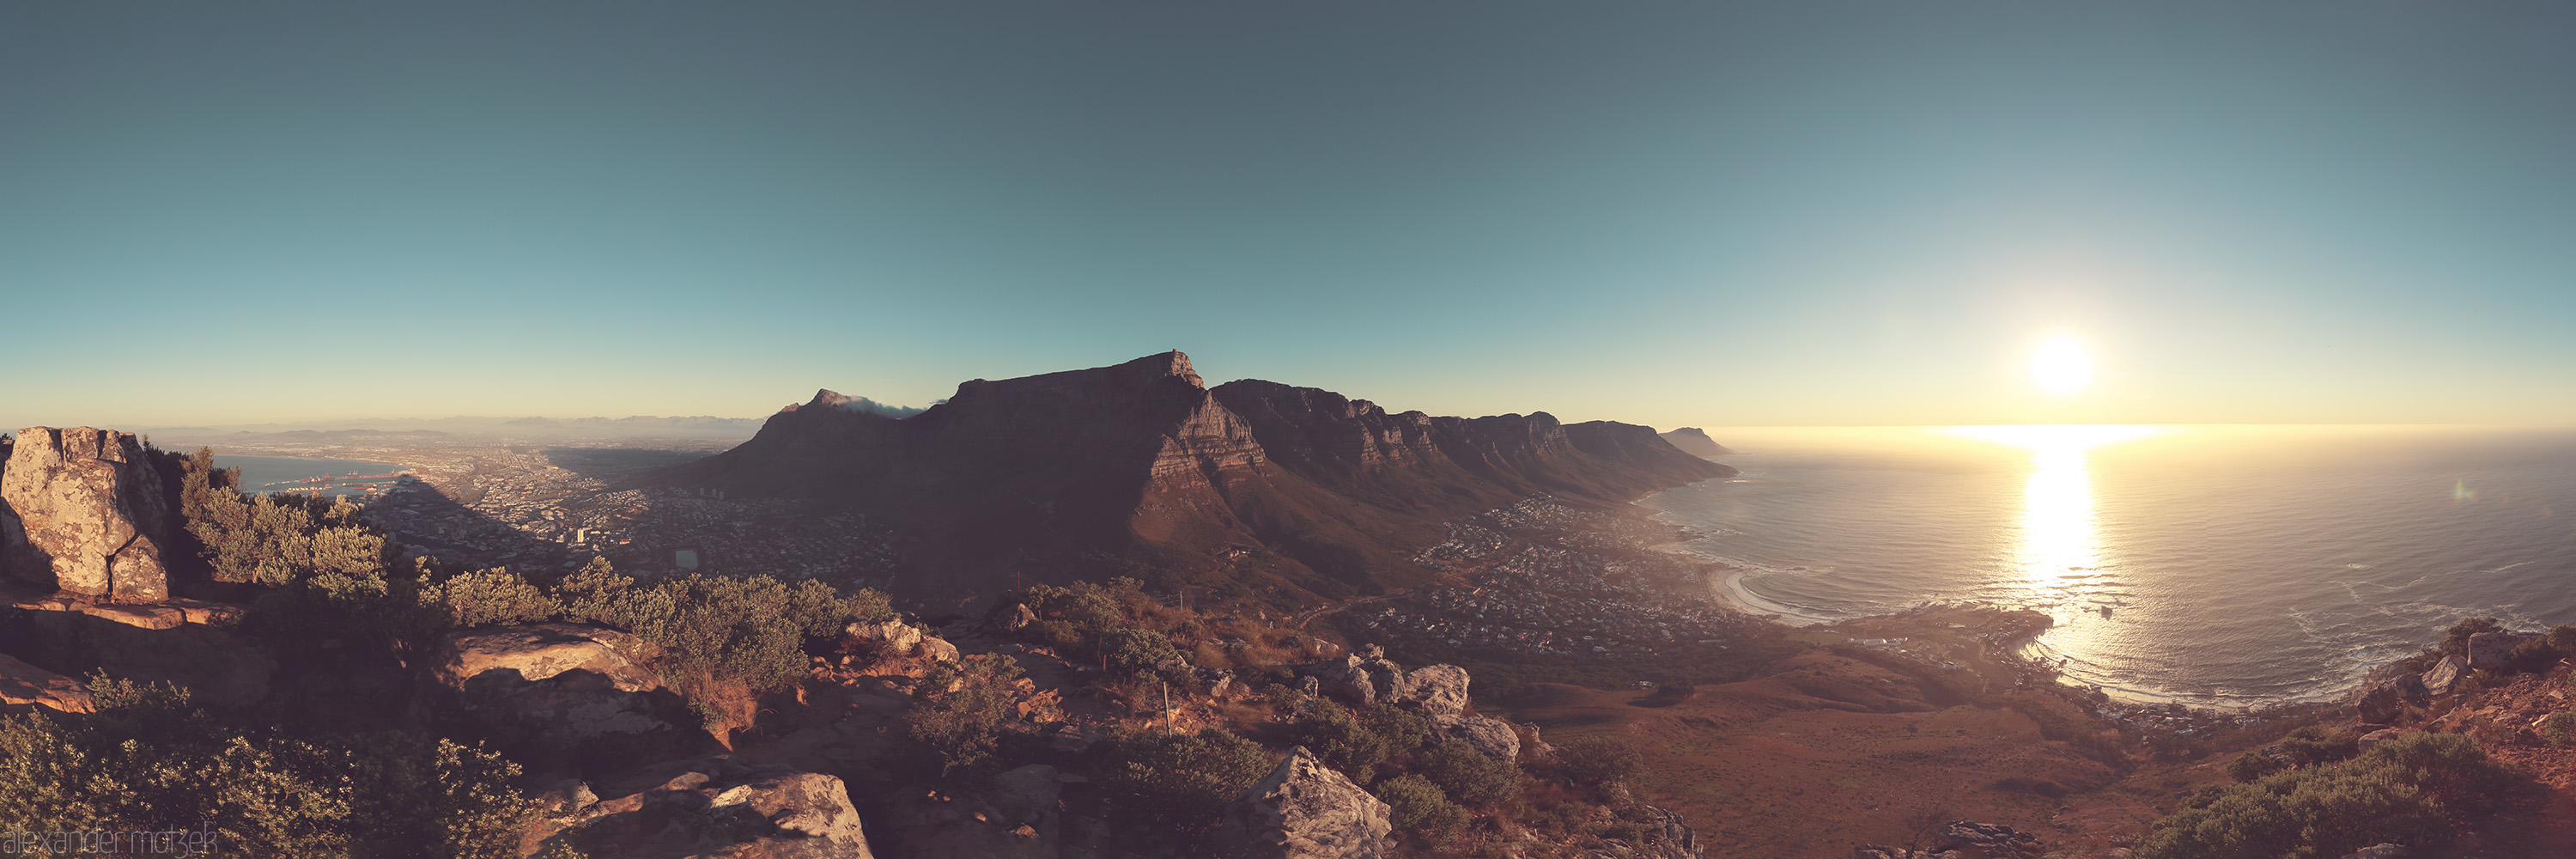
column 2559, row 729
column 147, row 760
column 1132, row 649
column 2252, row 765
column 487, row 597
column 1177, row 783
column 1339, row 740
column 2408, row 790
column 2312, row 745
column 963, row 728
column 1419, row 808
column 1402, row 731
column 1467, row 775
column 1599, row 758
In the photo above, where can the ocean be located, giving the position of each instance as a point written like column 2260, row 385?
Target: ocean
column 261, row 475
column 2209, row 565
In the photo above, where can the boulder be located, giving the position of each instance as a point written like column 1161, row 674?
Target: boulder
column 1666, row 837
column 562, row 694
column 2387, row 700
column 1305, row 810
column 2443, row 674
column 937, row 649
column 2490, row 651
column 1494, row 737
column 24, row 685
column 899, row 637
column 1440, row 689
column 542, row 651
column 1991, row 840
column 85, row 511
column 718, row 806
column 1360, row 680
column 1020, row 617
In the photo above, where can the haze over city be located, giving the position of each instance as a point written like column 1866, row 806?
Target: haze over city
column 1667, row 214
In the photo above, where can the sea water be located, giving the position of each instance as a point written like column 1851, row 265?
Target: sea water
column 2215, row 566
column 261, row 475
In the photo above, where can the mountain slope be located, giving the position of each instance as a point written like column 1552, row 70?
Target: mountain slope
column 1255, row 489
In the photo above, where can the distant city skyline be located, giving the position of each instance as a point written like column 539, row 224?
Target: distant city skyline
column 1674, row 215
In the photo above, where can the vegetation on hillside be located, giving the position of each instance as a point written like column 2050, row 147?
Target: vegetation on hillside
column 2421, row 790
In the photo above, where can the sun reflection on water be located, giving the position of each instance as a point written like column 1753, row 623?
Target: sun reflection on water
column 2060, row 537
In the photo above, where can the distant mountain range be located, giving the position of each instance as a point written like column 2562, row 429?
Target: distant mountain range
column 1692, row 441
column 1250, row 489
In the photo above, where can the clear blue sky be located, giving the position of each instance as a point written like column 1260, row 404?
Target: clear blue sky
column 1667, row 213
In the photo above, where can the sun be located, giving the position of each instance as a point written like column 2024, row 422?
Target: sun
column 2061, row 367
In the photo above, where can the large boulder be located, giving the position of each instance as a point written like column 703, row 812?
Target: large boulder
column 85, row 511
column 1305, row 810
column 1360, row 679
column 2443, row 674
column 898, row 638
column 1440, row 689
column 718, row 806
column 1494, row 737
column 2491, row 651
column 25, row 686
column 2382, row 703
column 552, row 691
column 1665, row 837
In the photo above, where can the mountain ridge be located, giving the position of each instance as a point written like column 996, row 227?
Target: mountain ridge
column 1254, row 488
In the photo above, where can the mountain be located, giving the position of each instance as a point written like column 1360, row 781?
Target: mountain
column 1691, row 441
column 1253, row 488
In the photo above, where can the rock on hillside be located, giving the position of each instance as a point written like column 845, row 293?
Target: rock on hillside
column 85, row 511
column 554, row 689
column 719, row 806
column 23, row 686
column 1692, row 441
column 1305, row 810
column 1280, row 487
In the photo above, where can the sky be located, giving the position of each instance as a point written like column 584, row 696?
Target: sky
column 1663, row 213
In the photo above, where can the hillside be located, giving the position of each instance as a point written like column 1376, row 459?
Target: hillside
column 1253, row 489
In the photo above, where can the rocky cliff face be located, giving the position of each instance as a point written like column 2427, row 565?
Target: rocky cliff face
column 1293, row 488
column 84, row 510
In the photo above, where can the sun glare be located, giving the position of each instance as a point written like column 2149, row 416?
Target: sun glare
column 2061, row 367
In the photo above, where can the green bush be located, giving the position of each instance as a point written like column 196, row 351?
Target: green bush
column 1401, row 730
column 1599, row 758
column 747, row 631
column 2559, row 729
column 1177, row 783
column 149, row 761
column 2252, row 765
column 1467, row 775
column 1133, row 649
column 962, row 728
column 1339, row 740
column 486, row 597
column 1419, row 808
column 2311, row 745
column 2409, row 790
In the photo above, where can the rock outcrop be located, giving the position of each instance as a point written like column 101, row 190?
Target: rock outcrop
column 1305, row 810
column 719, row 806
column 84, row 510
column 2439, row 679
column 2489, row 651
column 554, row 691
column 183, row 642
column 1360, row 680
column 23, row 685
column 1440, row 689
